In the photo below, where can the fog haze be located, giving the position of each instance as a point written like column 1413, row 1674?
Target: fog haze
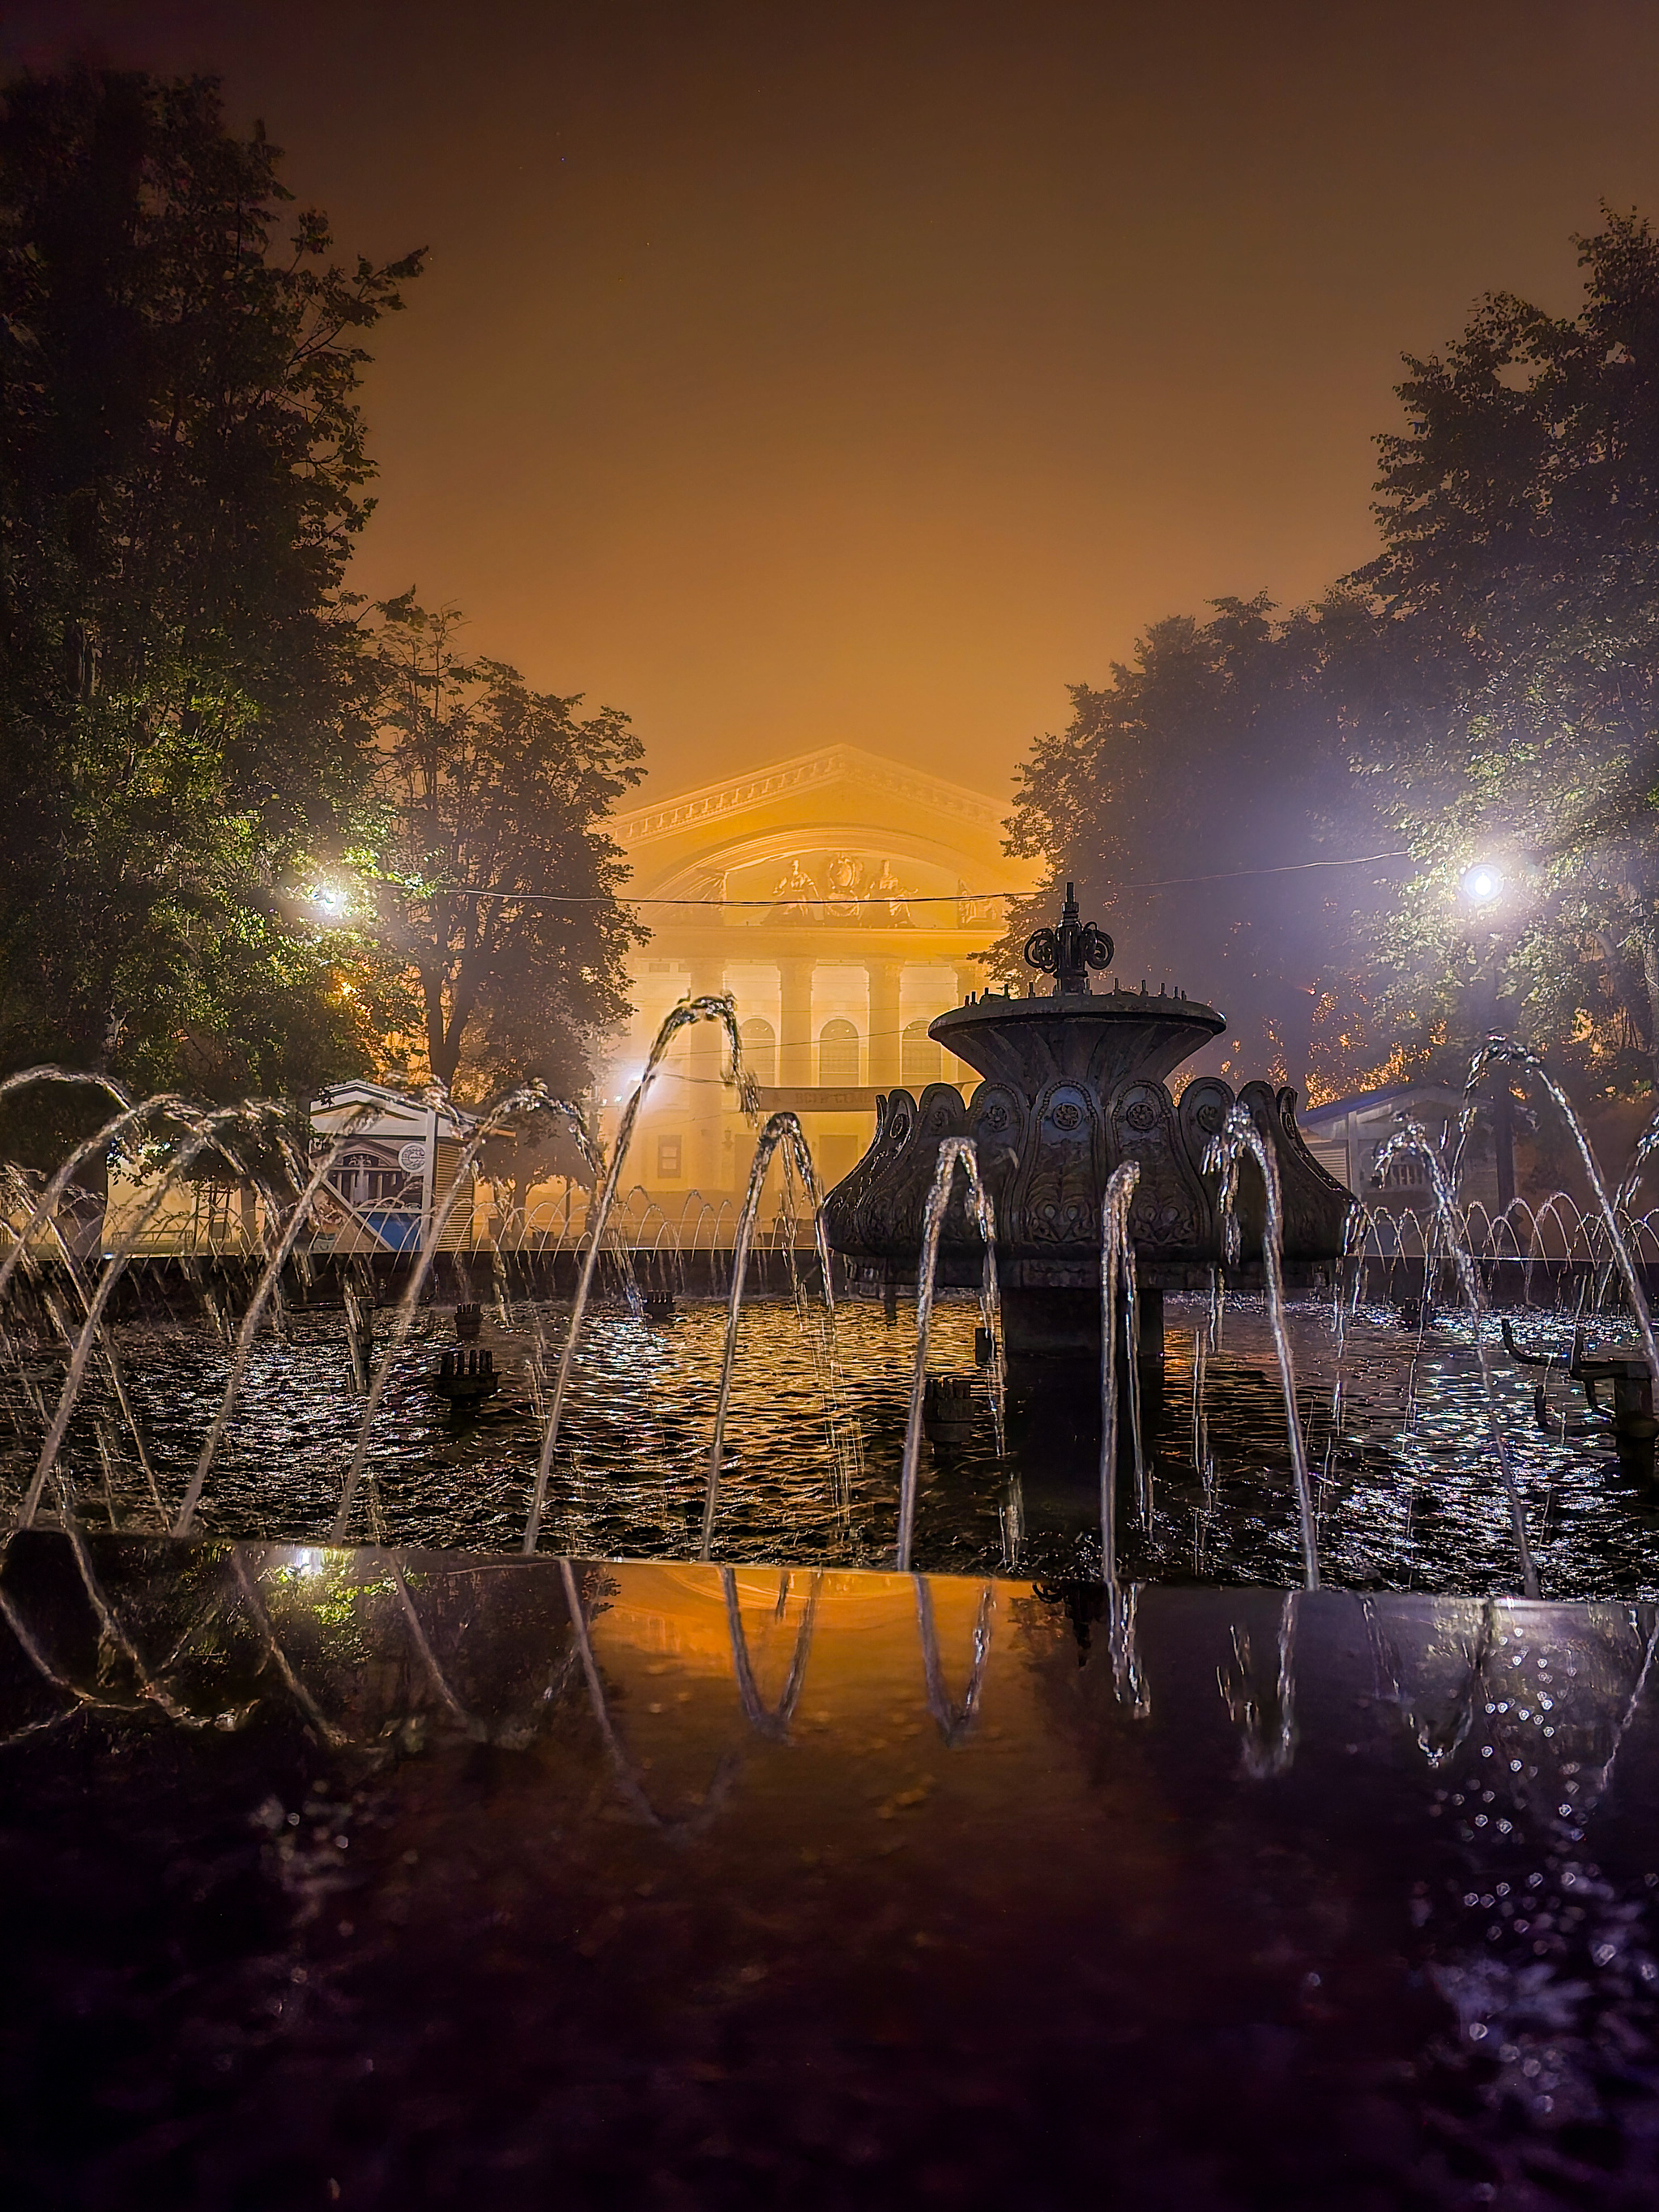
column 870, row 373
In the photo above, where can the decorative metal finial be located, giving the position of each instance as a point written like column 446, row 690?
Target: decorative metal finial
column 1070, row 951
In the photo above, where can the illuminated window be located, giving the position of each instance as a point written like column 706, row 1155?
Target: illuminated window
column 921, row 1061
column 760, row 1051
column 668, row 1159
column 838, row 1053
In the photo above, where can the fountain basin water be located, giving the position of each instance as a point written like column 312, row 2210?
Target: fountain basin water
column 1395, row 1424
column 807, row 1486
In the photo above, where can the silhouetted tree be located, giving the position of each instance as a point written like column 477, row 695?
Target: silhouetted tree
column 494, row 879
column 1517, row 707
column 183, row 724
column 1186, row 799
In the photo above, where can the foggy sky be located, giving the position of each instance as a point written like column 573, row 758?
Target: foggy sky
column 791, row 373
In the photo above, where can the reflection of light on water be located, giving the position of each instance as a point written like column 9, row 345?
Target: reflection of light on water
column 1409, row 1498
column 1546, row 1964
column 1422, row 1835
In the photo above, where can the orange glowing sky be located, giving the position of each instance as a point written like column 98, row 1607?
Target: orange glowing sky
column 788, row 373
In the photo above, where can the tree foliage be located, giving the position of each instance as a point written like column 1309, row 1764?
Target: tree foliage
column 1185, row 797
column 1493, row 675
column 494, row 877
column 183, row 696
column 1519, row 588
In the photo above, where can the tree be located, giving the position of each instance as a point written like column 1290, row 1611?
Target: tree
column 183, row 691
column 1519, row 589
column 527, row 1153
column 493, row 877
column 1186, row 799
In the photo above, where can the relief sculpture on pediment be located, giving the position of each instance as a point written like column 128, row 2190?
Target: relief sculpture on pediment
column 797, row 896
column 843, row 878
column 887, row 902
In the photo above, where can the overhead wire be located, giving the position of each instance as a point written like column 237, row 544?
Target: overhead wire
column 907, row 898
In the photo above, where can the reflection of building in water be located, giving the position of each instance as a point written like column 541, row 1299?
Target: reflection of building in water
column 840, row 897
column 909, row 1803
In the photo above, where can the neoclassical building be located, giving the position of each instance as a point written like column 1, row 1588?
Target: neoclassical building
column 838, row 897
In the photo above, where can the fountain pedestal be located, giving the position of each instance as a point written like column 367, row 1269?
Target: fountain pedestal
column 1074, row 1086
column 1065, row 1324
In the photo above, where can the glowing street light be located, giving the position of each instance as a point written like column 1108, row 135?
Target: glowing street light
column 1482, row 883
column 329, row 899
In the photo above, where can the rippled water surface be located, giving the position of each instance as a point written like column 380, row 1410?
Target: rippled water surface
column 1409, row 1496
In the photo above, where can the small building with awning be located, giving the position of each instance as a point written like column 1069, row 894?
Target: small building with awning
column 1347, row 1135
column 398, row 1155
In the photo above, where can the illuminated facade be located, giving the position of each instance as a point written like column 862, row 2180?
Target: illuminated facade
column 840, row 897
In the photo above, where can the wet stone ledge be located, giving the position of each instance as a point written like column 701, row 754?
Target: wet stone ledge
column 397, row 1878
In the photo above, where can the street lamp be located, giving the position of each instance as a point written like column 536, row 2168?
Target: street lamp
column 1482, row 885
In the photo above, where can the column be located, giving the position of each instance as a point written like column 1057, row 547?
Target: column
column 884, row 976
column 795, row 1023
column 705, row 1094
column 969, row 979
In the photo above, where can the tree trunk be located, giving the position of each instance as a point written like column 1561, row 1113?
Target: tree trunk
column 445, row 1026
column 440, row 1057
column 1650, row 979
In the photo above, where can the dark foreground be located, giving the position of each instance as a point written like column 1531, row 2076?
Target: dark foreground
column 401, row 1879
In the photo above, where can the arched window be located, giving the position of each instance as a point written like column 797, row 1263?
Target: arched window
column 760, row 1050
column 838, row 1052
column 921, row 1061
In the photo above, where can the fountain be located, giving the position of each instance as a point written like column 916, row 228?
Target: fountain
column 683, row 1403
column 1074, row 1089
column 618, row 1811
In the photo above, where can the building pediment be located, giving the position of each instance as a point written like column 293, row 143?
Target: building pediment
column 843, row 900
column 813, row 778
column 847, row 823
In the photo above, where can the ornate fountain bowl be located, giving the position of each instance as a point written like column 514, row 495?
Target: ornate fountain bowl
column 1075, row 1086
column 1097, row 1039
